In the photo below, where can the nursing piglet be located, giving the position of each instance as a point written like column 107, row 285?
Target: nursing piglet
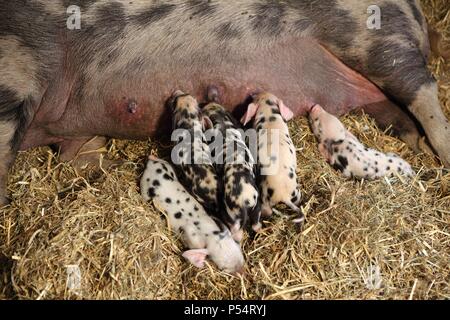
column 277, row 160
column 235, row 164
column 191, row 154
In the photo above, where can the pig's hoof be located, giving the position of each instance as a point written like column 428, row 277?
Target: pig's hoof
column 257, row 227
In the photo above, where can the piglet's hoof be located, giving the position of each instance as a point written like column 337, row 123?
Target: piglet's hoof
column 299, row 220
column 266, row 212
column 257, row 227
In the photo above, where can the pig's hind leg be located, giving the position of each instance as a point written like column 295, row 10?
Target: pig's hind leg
column 401, row 70
column 398, row 122
column 85, row 151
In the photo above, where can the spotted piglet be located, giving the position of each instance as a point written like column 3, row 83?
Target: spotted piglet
column 277, row 160
column 346, row 154
column 191, row 154
column 200, row 233
column 235, row 164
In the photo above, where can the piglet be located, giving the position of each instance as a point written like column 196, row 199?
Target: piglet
column 191, row 154
column 277, row 160
column 346, row 154
column 235, row 164
column 203, row 235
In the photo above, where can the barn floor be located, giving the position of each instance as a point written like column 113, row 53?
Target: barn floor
column 388, row 239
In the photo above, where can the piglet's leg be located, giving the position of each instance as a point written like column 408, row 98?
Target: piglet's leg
column 255, row 218
column 236, row 232
column 266, row 210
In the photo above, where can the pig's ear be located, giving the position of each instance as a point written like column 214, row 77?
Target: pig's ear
column 173, row 98
column 207, row 123
column 250, row 114
column 324, row 151
column 286, row 113
column 196, row 257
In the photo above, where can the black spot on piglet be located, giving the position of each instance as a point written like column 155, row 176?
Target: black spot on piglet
column 337, row 166
column 343, row 161
column 151, row 192
column 167, row 177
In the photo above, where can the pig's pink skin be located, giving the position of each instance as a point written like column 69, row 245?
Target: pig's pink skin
column 62, row 113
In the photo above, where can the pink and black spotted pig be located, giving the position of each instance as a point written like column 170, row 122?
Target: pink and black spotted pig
column 191, row 154
column 346, row 154
column 277, row 160
column 236, row 165
column 200, row 233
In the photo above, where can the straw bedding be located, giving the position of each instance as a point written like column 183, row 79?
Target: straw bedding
column 388, row 239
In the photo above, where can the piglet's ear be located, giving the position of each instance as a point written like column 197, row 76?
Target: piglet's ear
column 196, row 257
column 286, row 113
column 207, row 123
column 250, row 114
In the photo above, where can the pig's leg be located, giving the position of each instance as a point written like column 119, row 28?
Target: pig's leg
column 427, row 110
column 388, row 115
column 14, row 117
column 7, row 131
column 84, row 151
column 402, row 72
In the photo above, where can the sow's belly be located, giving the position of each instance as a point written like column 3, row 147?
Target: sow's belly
column 130, row 104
